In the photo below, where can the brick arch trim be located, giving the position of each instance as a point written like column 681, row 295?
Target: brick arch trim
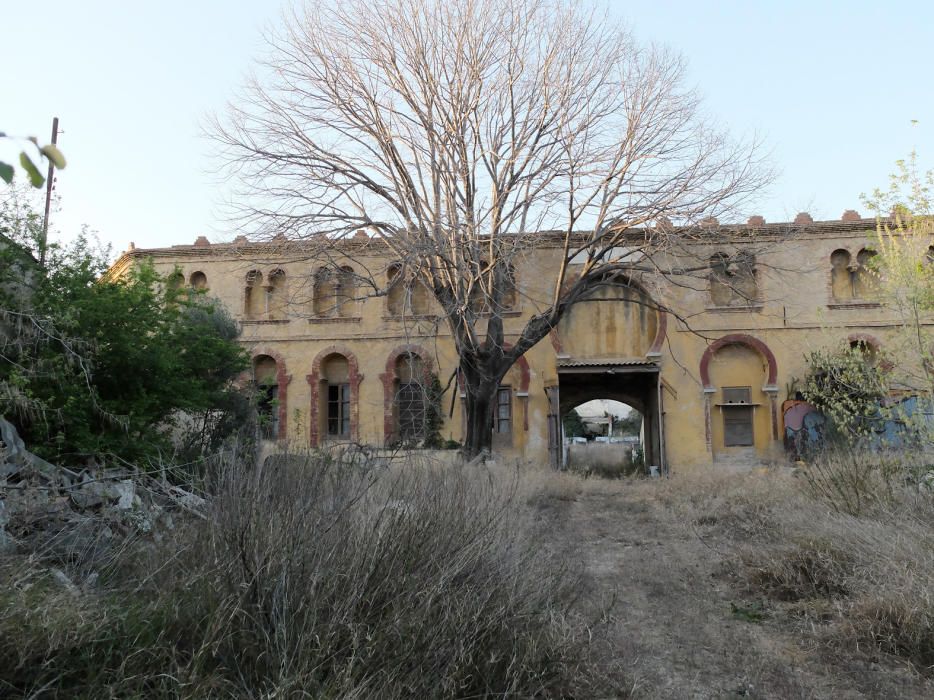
column 282, row 381
column 738, row 339
column 388, row 379
column 870, row 340
column 314, row 384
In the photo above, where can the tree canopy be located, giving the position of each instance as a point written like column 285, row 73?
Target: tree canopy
column 456, row 134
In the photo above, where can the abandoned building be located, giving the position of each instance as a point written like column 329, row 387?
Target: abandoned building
column 708, row 364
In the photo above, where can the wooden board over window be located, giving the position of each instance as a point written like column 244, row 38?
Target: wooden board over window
column 737, row 411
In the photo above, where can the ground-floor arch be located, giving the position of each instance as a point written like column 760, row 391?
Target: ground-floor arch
column 636, row 384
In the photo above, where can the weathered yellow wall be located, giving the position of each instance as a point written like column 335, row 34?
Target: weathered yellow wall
column 614, row 323
column 794, row 311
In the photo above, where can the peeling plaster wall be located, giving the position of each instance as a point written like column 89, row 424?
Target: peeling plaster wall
column 795, row 311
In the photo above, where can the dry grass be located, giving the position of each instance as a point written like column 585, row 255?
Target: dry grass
column 851, row 559
column 313, row 577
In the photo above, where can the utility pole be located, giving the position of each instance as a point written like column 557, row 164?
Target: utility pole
column 48, row 198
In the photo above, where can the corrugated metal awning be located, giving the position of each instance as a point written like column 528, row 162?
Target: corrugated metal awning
column 602, row 361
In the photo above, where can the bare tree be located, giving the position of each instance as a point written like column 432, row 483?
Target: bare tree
column 461, row 133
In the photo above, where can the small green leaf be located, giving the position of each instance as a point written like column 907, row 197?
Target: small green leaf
column 53, row 154
column 6, row 172
column 35, row 177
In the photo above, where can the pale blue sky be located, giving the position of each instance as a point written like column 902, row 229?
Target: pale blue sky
column 831, row 86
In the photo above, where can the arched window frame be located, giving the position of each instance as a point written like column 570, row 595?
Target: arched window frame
column 282, row 380
column 277, row 294
column 253, row 295
column 318, row 390
column 732, row 279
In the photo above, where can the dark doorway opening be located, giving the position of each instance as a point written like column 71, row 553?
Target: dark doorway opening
column 636, row 385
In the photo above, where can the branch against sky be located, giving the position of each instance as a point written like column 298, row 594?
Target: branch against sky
column 457, row 132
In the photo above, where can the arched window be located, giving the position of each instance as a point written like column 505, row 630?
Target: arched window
column 254, row 301
column 397, row 291
column 334, row 292
column 335, row 397
column 267, row 389
column 323, row 293
column 494, row 288
column 198, row 280
column 406, row 295
column 745, row 284
column 841, row 276
column 175, row 281
column 276, row 295
column 418, row 297
column 864, row 281
column 344, row 296
column 732, row 280
column 721, row 293
column 411, row 406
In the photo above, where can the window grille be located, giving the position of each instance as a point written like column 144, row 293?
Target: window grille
column 502, row 421
column 339, row 410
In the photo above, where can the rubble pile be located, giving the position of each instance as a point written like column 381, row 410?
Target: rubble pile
column 66, row 514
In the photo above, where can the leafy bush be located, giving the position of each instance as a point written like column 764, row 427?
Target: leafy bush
column 848, row 387
column 102, row 366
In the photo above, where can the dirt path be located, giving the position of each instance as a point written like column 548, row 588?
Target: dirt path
column 680, row 626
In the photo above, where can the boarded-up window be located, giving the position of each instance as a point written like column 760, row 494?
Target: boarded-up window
column 395, row 297
column 345, row 292
column 737, row 416
column 276, row 301
column 737, row 394
column 325, row 289
column 721, row 293
column 254, row 303
column 733, row 279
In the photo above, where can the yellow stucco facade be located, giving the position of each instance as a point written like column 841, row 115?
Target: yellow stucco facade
column 709, row 375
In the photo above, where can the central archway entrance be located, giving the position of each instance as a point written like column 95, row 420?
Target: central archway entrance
column 608, row 346
column 635, row 383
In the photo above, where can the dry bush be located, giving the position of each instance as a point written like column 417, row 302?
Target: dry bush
column 811, row 568
column 744, row 506
column 855, row 481
column 846, row 548
column 866, row 579
column 316, row 577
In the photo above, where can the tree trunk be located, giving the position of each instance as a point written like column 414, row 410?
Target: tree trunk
column 479, row 421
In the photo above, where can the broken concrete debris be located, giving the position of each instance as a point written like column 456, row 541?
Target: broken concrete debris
column 68, row 511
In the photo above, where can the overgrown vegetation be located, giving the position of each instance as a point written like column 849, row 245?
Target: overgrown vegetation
column 312, row 577
column 849, row 388
column 857, row 583
column 104, row 367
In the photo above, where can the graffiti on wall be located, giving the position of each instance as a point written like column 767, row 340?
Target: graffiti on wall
column 896, row 425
